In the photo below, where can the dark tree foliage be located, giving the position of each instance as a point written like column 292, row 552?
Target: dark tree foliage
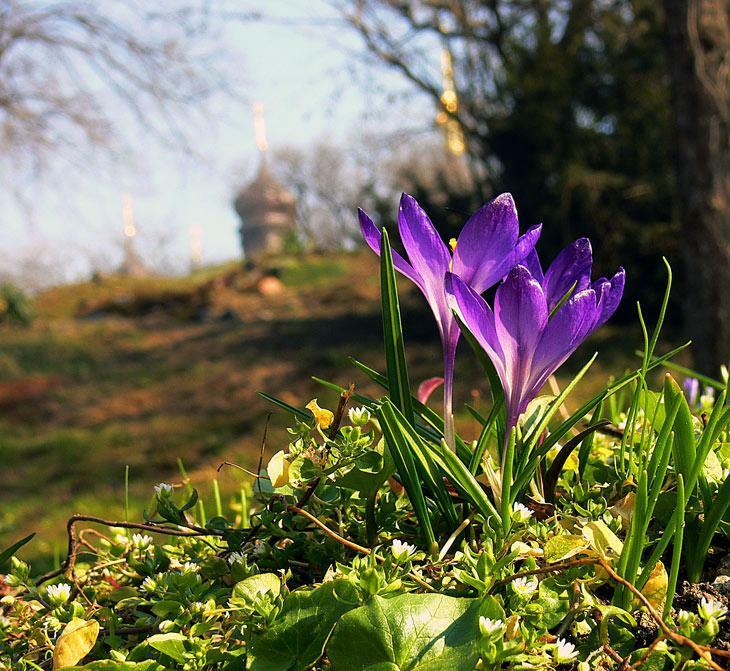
column 699, row 47
column 565, row 104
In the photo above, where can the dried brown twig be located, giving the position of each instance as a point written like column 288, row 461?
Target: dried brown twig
column 703, row 651
column 73, row 540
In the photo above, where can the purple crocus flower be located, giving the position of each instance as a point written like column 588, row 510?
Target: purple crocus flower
column 524, row 341
column 691, row 387
column 488, row 246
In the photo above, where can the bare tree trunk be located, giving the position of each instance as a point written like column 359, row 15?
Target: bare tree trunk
column 699, row 49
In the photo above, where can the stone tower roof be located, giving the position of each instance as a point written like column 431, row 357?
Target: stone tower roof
column 265, row 195
column 267, row 212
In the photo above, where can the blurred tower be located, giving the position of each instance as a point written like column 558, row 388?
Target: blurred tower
column 265, row 207
column 132, row 265
column 450, row 103
column 196, row 247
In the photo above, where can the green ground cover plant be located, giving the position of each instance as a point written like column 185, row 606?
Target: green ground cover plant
column 379, row 539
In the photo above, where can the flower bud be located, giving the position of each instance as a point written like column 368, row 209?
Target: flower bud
column 492, row 630
column 359, row 416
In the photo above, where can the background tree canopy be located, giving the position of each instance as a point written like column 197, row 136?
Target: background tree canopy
column 565, row 104
column 587, row 110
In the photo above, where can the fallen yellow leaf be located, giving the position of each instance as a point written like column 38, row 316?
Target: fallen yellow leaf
column 655, row 589
column 75, row 642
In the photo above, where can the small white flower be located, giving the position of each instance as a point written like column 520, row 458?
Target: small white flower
column 359, row 416
column 149, row 584
column 525, row 586
column 163, row 490
column 491, row 629
column 4, row 622
column 236, row 558
column 142, row 541
column 120, row 538
column 709, row 608
column 521, row 513
column 564, row 652
column 58, row 594
column 402, row 552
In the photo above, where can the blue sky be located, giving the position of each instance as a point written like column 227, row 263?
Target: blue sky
column 299, row 72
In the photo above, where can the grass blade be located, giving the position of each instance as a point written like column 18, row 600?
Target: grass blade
column 399, row 387
column 587, row 444
column 460, row 476
column 9, row 552
column 407, row 470
column 429, row 416
column 507, row 464
column 304, row 415
column 713, row 517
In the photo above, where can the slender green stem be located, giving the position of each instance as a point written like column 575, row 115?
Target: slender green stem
column 507, row 462
column 677, row 552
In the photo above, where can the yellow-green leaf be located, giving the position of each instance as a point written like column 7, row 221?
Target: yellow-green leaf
column 278, row 470
column 251, row 587
column 603, row 540
column 560, row 548
column 75, row 642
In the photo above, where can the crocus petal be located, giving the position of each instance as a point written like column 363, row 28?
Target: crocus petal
column 569, row 326
column 571, row 266
column 488, row 237
column 532, row 263
column 426, row 250
column 565, row 332
column 520, row 315
column 609, row 294
column 372, row 236
column 520, row 312
column 427, row 387
column 429, row 257
column 477, row 316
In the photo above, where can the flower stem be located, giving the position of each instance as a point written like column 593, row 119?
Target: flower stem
column 449, row 362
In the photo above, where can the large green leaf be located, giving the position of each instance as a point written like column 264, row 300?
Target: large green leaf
column 171, row 644
column 410, row 632
column 250, row 588
column 297, row 637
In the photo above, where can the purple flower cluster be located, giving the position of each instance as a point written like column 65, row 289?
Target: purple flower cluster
column 539, row 318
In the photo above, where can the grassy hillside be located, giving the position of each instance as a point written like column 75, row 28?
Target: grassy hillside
column 144, row 372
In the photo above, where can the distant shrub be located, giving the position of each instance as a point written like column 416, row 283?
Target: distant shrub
column 15, row 305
